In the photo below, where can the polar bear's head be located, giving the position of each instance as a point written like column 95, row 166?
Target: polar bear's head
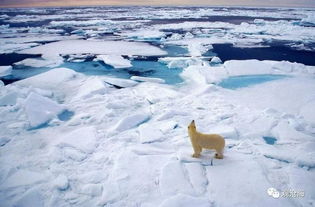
column 192, row 127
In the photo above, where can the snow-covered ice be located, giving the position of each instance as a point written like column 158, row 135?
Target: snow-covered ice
column 40, row 110
column 131, row 121
column 77, row 132
column 123, row 83
column 5, row 70
column 146, row 79
column 49, row 79
column 117, row 61
column 83, row 139
column 95, row 47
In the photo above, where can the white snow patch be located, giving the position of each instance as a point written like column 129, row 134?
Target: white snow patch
column 182, row 200
column 61, row 183
column 131, row 121
column 32, row 197
column 22, row 178
column 52, row 61
column 91, row 87
column 197, row 176
column 173, row 180
column 225, row 131
column 117, row 61
column 247, row 67
column 5, row 70
column 50, row 79
column 308, row 112
column 149, row 134
column 197, row 49
column 216, row 60
column 147, row 79
column 83, row 139
column 40, row 110
column 145, row 34
column 154, row 92
column 95, row 47
column 181, row 62
column 309, row 20
column 123, row 83
column 4, row 141
column 92, row 189
column 204, row 74
column 9, row 99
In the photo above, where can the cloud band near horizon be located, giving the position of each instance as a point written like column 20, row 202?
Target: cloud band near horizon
column 43, row 3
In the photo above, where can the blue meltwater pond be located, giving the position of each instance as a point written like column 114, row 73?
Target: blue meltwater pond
column 248, row 80
column 270, row 140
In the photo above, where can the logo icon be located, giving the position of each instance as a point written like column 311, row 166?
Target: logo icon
column 273, row 192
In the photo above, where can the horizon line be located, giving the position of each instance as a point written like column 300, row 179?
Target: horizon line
column 165, row 5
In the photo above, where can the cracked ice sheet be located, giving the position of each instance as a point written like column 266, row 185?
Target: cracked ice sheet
column 109, row 172
column 225, row 178
column 115, row 175
column 95, row 47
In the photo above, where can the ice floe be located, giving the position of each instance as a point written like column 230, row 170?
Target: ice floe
column 116, row 61
column 40, row 110
column 83, row 139
column 22, row 178
column 119, row 82
column 5, row 70
column 147, row 79
column 90, row 138
column 91, row 87
column 46, row 61
column 50, row 79
column 131, row 121
column 95, row 47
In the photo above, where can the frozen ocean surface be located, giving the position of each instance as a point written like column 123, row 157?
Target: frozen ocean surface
column 248, row 80
column 95, row 104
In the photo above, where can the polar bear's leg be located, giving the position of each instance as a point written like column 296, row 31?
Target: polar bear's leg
column 197, row 150
column 219, row 154
column 200, row 149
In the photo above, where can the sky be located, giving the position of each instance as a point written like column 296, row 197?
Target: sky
column 268, row 3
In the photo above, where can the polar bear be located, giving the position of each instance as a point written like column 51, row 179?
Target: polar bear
column 207, row 141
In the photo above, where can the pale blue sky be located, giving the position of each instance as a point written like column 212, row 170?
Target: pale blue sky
column 293, row 3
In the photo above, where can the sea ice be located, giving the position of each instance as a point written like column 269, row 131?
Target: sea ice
column 117, row 61
column 83, row 139
column 180, row 62
column 216, row 60
column 61, row 183
column 32, row 197
column 98, row 157
column 309, row 20
column 9, row 98
column 145, row 34
column 147, row 79
column 5, row 70
column 131, row 121
column 90, row 87
column 22, row 178
column 50, row 79
column 4, row 141
column 183, row 200
column 173, row 180
column 149, row 134
column 119, row 82
column 40, row 110
column 38, row 63
column 247, row 67
column 95, row 47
